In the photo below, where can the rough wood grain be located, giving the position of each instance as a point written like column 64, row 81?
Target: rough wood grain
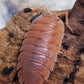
column 70, row 66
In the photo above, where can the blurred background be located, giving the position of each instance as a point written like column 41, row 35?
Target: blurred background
column 10, row 7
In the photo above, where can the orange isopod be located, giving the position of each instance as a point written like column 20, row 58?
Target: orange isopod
column 39, row 49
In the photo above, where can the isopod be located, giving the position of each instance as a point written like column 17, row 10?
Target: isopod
column 39, row 49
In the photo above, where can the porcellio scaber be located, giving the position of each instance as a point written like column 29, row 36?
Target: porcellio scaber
column 39, row 49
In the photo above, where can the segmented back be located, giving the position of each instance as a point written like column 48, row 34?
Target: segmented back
column 39, row 50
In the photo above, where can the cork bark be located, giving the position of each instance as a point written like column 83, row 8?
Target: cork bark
column 69, row 69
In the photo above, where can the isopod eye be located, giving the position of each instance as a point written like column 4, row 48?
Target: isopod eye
column 7, row 70
column 27, row 10
column 34, row 17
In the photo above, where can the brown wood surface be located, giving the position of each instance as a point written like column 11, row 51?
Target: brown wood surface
column 69, row 68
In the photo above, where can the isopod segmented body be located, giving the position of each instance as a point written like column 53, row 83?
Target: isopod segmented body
column 39, row 49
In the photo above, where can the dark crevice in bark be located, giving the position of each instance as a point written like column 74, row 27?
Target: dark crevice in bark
column 72, row 75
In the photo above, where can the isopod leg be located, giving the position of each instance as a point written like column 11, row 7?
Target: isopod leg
column 43, row 6
column 66, row 13
column 67, row 22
